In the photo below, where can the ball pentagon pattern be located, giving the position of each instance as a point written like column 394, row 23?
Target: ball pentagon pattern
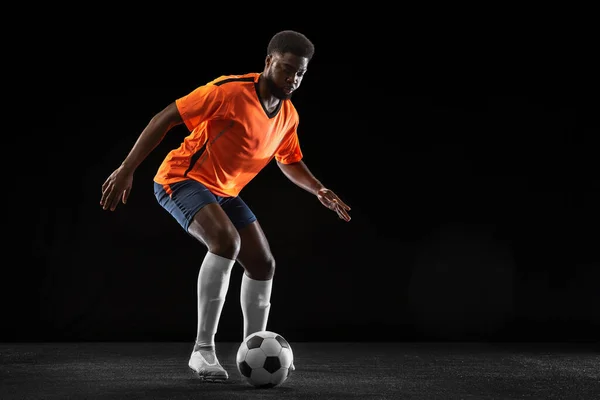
column 263, row 359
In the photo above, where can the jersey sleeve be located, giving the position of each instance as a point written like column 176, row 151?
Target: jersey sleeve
column 289, row 150
column 202, row 104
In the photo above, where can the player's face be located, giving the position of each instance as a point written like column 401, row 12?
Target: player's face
column 284, row 73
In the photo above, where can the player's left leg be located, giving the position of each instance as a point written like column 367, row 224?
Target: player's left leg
column 259, row 267
column 258, row 263
column 257, row 281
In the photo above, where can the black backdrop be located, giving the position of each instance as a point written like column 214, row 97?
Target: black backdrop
column 469, row 161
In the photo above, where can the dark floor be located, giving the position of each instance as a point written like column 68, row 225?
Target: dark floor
column 323, row 371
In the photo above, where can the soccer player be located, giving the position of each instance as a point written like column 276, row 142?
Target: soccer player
column 237, row 124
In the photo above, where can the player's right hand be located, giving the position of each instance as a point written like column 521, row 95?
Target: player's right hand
column 117, row 187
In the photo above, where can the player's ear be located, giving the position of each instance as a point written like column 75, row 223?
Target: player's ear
column 268, row 60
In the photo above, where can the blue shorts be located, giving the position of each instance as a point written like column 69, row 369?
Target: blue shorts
column 187, row 197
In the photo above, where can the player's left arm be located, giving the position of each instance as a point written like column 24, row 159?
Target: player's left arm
column 301, row 176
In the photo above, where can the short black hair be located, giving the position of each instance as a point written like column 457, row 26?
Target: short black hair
column 291, row 42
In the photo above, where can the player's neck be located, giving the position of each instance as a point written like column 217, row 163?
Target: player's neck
column 266, row 97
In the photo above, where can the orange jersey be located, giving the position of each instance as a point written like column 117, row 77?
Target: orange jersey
column 232, row 136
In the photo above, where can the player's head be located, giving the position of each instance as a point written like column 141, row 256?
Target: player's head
column 288, row 55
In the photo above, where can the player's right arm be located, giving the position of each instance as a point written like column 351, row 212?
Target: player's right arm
column 117, row 186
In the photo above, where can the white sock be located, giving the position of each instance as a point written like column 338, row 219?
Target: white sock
column 255, row 299
column 213, row 283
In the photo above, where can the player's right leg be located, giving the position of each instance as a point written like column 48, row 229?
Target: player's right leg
column 198, row 212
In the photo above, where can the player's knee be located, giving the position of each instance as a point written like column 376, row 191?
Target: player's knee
column 225, row 243
column 261, row 268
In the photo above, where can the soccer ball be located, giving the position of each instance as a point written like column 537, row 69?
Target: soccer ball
column 264, row 358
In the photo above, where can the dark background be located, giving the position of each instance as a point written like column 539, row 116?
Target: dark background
column 468, row 156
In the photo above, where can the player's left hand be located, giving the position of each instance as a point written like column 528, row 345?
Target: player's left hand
column 333, row 202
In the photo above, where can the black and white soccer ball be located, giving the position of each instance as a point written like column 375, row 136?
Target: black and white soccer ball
column 264, row 359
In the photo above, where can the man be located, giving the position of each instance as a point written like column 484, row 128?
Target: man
column 237, row 125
